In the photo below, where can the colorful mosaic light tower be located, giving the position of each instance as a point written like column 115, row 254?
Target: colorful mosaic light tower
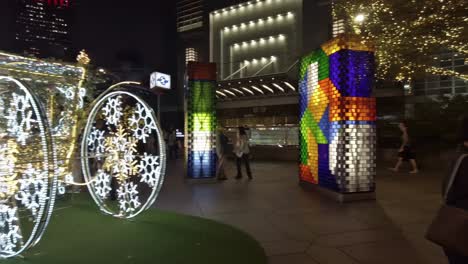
column 338, row 114
column 201, row 121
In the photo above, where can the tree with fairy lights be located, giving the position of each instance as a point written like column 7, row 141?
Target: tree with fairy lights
column 408, row 34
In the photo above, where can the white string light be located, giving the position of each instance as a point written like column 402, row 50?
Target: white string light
column 290, row 86
column 238, row 91
column 260, row 41
column 268, row 88
column 221, row 93
column 279, row 87
column 247, row 90
column 31, row 184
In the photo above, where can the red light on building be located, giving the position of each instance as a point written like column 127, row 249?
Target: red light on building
column 64, row 3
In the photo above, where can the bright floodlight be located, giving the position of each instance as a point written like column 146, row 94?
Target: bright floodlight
column 360, row 18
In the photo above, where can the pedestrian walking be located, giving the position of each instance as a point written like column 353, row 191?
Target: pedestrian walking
column 449, row 228
column 221, row 147
column 172, row 143
column 242, row 151
column 405, row 152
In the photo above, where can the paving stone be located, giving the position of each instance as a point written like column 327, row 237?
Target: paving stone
column 296, row 226
column 292, row 259
column 329, row 255
column 284, row 247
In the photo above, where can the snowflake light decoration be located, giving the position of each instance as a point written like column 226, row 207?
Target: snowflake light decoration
column 113, row 110
column 128, row 197
column 69, row 93
column 20, row 117
column 10, row 232
column 129, row 125
column 96, row 142
column 150, row 170
column 141, row 123
column 102, row 184
column 28, row 183
column 120, row 149
column 31, row 190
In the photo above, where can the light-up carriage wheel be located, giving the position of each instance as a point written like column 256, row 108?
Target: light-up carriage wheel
column 28, row 174
column 123, row 153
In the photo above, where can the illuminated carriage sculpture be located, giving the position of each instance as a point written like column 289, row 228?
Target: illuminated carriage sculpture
column 41, row 105
column 33, row 132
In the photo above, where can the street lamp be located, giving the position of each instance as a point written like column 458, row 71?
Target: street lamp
column 359, row 18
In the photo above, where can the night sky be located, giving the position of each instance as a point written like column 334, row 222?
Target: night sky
column 143, row 30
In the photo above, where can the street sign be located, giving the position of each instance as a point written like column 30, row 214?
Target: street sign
column 160, row 80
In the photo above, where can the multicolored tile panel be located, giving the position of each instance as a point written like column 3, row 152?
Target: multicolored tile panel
column 337, row 116
column 201, row 120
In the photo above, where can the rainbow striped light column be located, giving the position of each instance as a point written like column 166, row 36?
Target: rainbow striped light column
column 337, row 116
column 201, row 121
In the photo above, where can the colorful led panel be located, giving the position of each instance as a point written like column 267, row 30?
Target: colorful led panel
column 337, row 116
column 201, row 120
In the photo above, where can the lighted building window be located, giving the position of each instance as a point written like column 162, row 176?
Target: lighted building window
column 191, row 54
column 338, row 27
column 189, row 14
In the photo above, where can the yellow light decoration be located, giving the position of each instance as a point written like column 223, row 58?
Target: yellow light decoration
column 8, row 179
column 83, row 58
column 120, row 160
column 61, row 87
column 407, row 34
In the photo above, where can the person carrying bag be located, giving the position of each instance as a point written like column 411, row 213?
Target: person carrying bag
column 449, row 228
column 242, row 151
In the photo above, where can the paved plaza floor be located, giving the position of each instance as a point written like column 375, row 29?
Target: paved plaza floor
column 300, row 227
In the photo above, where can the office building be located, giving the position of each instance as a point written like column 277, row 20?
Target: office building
column 43, row 27
column 257, row 46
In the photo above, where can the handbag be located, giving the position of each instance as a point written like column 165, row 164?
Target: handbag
column 449, row 229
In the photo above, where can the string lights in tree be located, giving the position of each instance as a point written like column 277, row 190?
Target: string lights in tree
column 408, row 34
column 123, row 154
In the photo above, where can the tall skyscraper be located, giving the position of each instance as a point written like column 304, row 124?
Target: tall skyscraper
column 189, row 14
column 43, row 27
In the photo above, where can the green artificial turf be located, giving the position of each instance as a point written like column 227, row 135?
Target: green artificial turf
column 79, row 233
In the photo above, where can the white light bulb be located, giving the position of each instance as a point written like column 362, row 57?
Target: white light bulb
column 360, row 18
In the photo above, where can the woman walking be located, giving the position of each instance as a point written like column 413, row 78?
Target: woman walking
column 242, row 150
column 405, row 153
